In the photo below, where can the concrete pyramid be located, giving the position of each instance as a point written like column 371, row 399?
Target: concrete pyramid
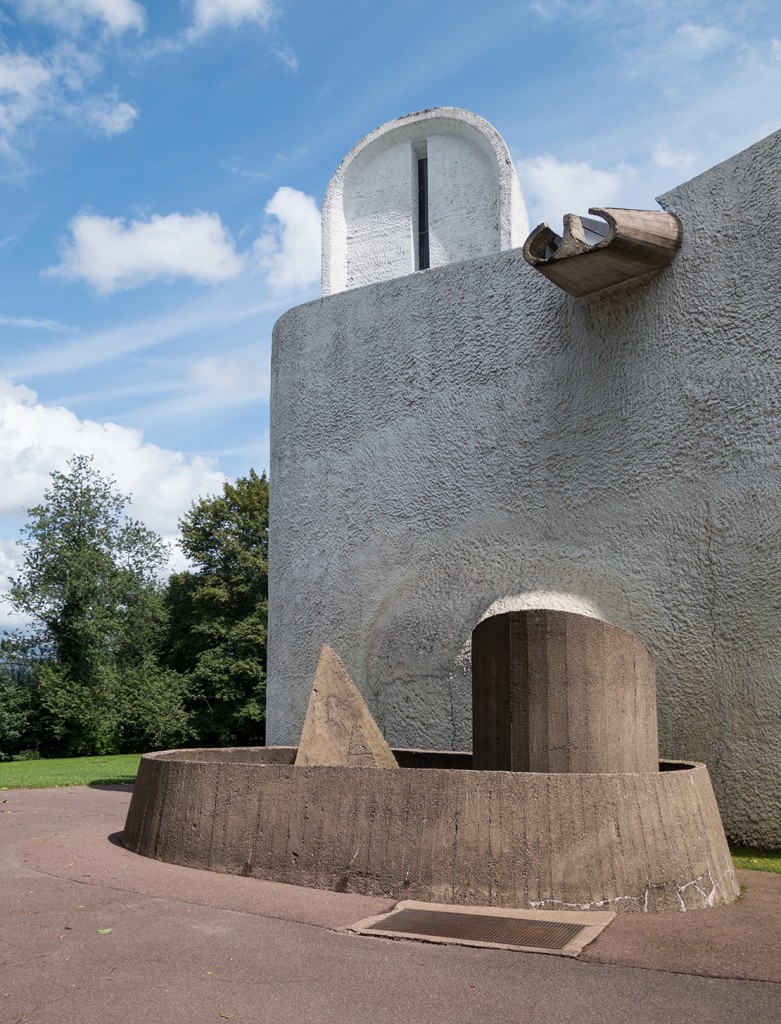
column 338, row 728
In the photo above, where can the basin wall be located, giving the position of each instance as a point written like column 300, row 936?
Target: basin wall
column 625, row 842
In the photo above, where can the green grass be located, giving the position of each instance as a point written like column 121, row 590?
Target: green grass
column 756, row 860
column 68, row 771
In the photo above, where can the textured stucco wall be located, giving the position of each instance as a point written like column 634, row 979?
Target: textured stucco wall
column 463, row 200
column 378, row 213
column 461, row 439
column 371, row 205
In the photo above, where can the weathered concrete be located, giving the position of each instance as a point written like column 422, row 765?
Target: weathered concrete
column 515, row 839
column 370, row 212
column 554, row 691
column 338, row 728
column 588, row 259
column 473, row 435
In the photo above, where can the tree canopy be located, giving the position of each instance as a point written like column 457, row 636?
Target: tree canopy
column 218, row 612
column 90, row 585
column 115, row 659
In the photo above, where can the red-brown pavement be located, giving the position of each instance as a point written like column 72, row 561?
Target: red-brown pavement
column 90, row 933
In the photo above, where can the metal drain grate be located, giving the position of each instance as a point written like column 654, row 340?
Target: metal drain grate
column 506, row 931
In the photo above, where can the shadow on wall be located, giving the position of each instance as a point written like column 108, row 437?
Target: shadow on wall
column 415, row 709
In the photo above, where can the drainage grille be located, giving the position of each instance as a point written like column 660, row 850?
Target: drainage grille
column 506, row 931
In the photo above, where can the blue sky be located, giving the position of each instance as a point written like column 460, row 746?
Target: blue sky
column 163, row 166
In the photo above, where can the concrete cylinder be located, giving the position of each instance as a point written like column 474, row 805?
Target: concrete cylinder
column 553, row 691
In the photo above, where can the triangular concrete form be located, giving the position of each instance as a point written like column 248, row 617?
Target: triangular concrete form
column 338, row 728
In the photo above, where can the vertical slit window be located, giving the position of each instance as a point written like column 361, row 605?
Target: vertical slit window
column 423, row 249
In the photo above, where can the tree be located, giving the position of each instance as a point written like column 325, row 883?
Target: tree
column 89, row 583
column 218, row 612
column 19, row 717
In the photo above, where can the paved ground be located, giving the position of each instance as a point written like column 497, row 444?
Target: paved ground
column 186, row 946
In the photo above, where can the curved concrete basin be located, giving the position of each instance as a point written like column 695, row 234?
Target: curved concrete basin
column 435, row 830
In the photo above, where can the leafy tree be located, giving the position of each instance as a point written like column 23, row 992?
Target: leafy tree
column 218, row 612
column 18, row 713
column 89, row 583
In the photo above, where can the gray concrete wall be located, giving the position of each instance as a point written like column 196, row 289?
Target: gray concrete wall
column 459, row 439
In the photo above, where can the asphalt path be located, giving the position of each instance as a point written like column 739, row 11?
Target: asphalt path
column 92, row 934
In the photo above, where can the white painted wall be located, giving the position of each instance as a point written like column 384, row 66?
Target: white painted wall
column 370, row 209
column 463, row 199
column 473, row 437
column 378, row 209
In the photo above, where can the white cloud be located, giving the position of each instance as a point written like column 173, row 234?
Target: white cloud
column 55, row 82
column 671, row 157
column 38, row 439
column 240, row 377
column 235, row 166
column 699, row 41
column 36, row 323
column 109, row 115
column 548, row 10
column 211, row 14
column 553, row 188
column 110, row 254
column 73, row 15
column 24, row 82
column 289, row 252
column 287, row 57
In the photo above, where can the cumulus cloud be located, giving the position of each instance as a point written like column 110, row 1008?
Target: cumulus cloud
column 553, row 187
column 108, row 115
column 111, row 254
column 289, row 251
column 24, row 84
column 211, row 14
column 58, row 81
column 38, row 439
column 74, row 15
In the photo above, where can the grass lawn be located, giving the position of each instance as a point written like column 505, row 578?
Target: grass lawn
column 756, row 860
column 68, row 771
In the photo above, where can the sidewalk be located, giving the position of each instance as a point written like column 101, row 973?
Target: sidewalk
column 91, row 933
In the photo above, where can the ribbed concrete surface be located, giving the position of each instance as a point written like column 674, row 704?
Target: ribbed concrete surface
column 554, row 691
column 619, row 842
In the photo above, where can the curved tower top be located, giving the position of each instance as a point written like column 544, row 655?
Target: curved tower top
column 426, row 189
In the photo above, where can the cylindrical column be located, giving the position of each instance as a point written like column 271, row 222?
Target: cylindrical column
column 553, row 691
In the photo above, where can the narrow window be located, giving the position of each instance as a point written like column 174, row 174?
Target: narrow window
column 423, row 252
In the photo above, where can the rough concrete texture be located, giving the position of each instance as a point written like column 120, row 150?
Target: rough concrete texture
column 449, row 440
column 370, row 212
column 636, row 243
column 338, row 728
column 200, row 947
column 555, row 691
column 643, row 842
